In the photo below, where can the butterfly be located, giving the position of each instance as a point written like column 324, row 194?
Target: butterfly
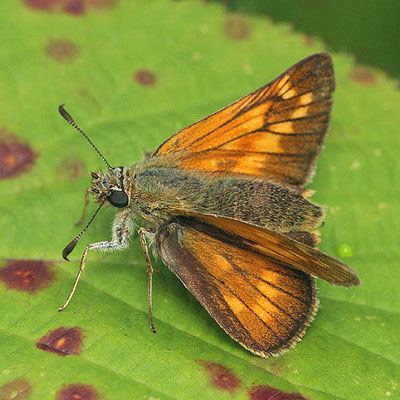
column 224, row 204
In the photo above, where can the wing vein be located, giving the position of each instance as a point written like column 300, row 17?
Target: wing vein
column 243, row 273
column 249, row 308
column 298, row 119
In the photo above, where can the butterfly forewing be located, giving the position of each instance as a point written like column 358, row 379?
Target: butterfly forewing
column 275, row 132
column 286, row 251
column 260, row 303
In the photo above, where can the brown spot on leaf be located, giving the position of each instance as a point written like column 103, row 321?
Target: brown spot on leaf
column 70, row 7
column 221, row 377
column 362, row 75
column 74, row 7
column 62, row 50
column 261, row 392
column 41, row 5
column 84, row 92
column 62, row 341
column 16, row 157
column 71, row 169
column 79, row 391
column 145, row 77
column 18, row 389
column 237, row 28
column 26, row 275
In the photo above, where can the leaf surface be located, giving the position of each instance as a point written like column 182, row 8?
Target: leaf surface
column 131, row 74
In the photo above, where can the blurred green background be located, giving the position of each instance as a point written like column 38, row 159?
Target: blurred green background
column 368, row 29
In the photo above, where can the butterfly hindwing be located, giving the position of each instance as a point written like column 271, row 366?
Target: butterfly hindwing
column 260, row 303
column 275, row 132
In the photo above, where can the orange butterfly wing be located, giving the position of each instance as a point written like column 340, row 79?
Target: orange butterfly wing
column 260, row 303
column 275, row 132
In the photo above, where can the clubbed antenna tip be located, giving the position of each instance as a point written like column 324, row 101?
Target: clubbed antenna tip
column 71, row 121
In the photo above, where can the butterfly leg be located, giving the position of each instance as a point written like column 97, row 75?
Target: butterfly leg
column 143, row 233
column 121, row 233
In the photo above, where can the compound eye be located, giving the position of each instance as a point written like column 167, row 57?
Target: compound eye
column 118, row 199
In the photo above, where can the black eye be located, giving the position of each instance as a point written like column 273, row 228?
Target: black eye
column 118, row 198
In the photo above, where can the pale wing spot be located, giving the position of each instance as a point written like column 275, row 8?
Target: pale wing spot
column 219, row 265
column 274, row 294
column 224, row 267
column 282, row 127
column 306, row 99
column 223, row 264
column 249, row 126
column 289, row 94
column 256, row 114
column 270, row 314
column 249, row 319
column 268, row 290
column 267, row 302
column 259, row 141
column 282, row 85
column 234, row 303
column 262, row 314
column 251, row 162
column 300, row 112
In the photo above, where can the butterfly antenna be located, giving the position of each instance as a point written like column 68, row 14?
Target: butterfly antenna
column 71, row 121
column 71, row 245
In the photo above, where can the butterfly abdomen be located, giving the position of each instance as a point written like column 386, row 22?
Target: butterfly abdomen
column 262, row 203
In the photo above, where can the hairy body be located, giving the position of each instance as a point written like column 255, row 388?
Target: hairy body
column 157, row 190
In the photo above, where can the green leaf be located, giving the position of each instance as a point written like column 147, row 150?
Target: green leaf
column 196, row 59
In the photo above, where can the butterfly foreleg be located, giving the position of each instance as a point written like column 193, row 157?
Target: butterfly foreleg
column 121, row 233
column 145, row 233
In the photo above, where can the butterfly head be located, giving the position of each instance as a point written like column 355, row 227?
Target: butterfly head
column 109, row 187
